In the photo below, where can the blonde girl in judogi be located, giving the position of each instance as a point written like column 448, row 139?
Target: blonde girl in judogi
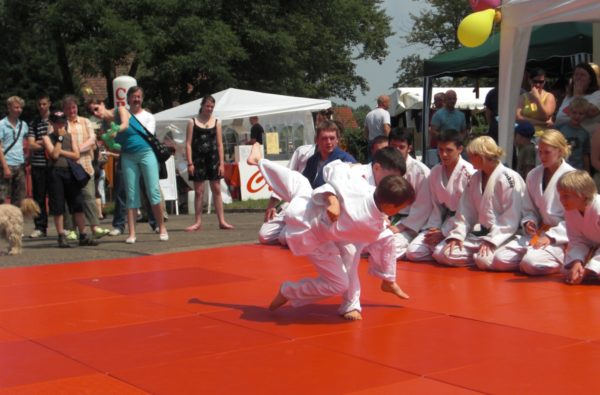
column 447, row 182
column 542, row 246
column 579, row 197
column 410, row 221
column 492, row 200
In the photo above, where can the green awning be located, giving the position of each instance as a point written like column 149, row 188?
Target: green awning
column 552, row 47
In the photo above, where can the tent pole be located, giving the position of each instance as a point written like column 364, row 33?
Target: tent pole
column 427, row 88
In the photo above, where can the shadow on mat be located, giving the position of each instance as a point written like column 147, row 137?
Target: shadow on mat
column 286, row 315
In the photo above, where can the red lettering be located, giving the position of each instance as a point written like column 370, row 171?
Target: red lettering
column 120, row 93
column 256, row 182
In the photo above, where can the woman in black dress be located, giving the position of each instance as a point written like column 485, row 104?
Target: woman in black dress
column 204, row 153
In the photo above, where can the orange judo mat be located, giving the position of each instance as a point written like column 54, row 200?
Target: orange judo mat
column 196, row 323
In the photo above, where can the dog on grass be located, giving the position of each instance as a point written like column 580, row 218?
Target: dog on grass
column 11, row 223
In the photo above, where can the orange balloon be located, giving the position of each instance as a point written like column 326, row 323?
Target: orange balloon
column 475, row 29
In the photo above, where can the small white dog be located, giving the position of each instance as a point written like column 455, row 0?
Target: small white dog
column 11, row 223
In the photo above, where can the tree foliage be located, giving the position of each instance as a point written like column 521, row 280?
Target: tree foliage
column 182, row 49
column 434, row 28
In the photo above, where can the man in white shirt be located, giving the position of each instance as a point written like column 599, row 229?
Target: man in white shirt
column 377, row 122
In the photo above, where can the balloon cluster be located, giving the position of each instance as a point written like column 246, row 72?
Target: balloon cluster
column 477, row 27
column 109, row 137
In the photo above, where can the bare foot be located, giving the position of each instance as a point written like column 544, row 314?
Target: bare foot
column 255, row 155
column 193, row 228
column 278, row 301
column 226, row 226
column 393, row 288
column 353, row 315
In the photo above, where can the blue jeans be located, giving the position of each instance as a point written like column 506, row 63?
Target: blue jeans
column 120, row 213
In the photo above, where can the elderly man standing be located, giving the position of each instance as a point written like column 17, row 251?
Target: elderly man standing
column 448, row 117
column 377, row 122
column 81, row 130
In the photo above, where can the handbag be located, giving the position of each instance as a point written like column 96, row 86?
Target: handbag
column 79, row 174
column 162, row 152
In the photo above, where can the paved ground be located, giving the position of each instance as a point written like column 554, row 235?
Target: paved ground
column 41, row 251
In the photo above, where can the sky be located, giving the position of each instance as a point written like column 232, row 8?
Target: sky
column 382, row 77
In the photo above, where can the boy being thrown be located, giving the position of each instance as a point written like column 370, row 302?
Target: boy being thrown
column 324, row 226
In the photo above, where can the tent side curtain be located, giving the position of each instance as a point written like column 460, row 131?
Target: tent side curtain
column 551, row 47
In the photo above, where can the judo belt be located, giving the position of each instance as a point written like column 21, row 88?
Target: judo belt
column 395, row 219
column 538, row 233
column 482, row 232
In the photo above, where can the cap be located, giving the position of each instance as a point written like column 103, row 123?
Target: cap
column 525, row 129
column 58, row 116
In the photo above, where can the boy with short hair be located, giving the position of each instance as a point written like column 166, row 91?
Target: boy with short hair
column 525, row 148
column 579, row 197
column 411, row 220
column 322, row 225
column 576, row 135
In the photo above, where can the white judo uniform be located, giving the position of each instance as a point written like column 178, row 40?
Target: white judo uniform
column 583, row 232
column 445, row 198
column 271, row 231
column 496, row 209
column 543, row 207
column 382, row 257
column 415, row 216
column 308, row 230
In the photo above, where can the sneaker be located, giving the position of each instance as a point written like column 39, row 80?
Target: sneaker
column 71, row 235
column 86, row 241
column 100, row 232
column 130, row 240
column 62, row 242
column 164, row 237
column 115, row 232
column 36, row 234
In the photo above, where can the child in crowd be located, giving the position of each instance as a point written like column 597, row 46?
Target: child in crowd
column 525, row 148
column 324, row 226
column 579, row 197
column 576, row 135
column 447, row 181
column 541, row 249
column 492, row 200
column 411, row 220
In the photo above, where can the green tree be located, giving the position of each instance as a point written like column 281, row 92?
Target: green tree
column 434, row 28
column 181, row 49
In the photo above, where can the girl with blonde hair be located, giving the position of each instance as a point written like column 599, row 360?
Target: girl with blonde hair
column 489, row 212
column 541, row 248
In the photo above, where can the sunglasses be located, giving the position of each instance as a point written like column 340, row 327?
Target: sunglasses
column 538, row 81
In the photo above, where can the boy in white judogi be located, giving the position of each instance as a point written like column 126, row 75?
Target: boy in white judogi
column 447, row 182
column 493, row 199
column 325, row 229
column 542, row 246
column 411, row 220
column 382, row 259
column 271, row 230
column 579, row 197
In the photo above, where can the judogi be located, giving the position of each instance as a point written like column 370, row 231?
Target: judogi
column 445, row 197
column 308, row 230
column 271, row 231
column 543, row 207
column 583, row 232
column 496, row 209
column 382, row 256
column 414, row 217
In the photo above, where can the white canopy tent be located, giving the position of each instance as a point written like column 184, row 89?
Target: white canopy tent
column 232, row 104
column 403, row 99
column 518, row 17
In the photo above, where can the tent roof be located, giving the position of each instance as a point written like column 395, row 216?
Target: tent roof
column 411, row 98
column 549, row 46
column 237, row 103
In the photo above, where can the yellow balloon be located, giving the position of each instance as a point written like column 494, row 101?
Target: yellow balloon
column 476, row 28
